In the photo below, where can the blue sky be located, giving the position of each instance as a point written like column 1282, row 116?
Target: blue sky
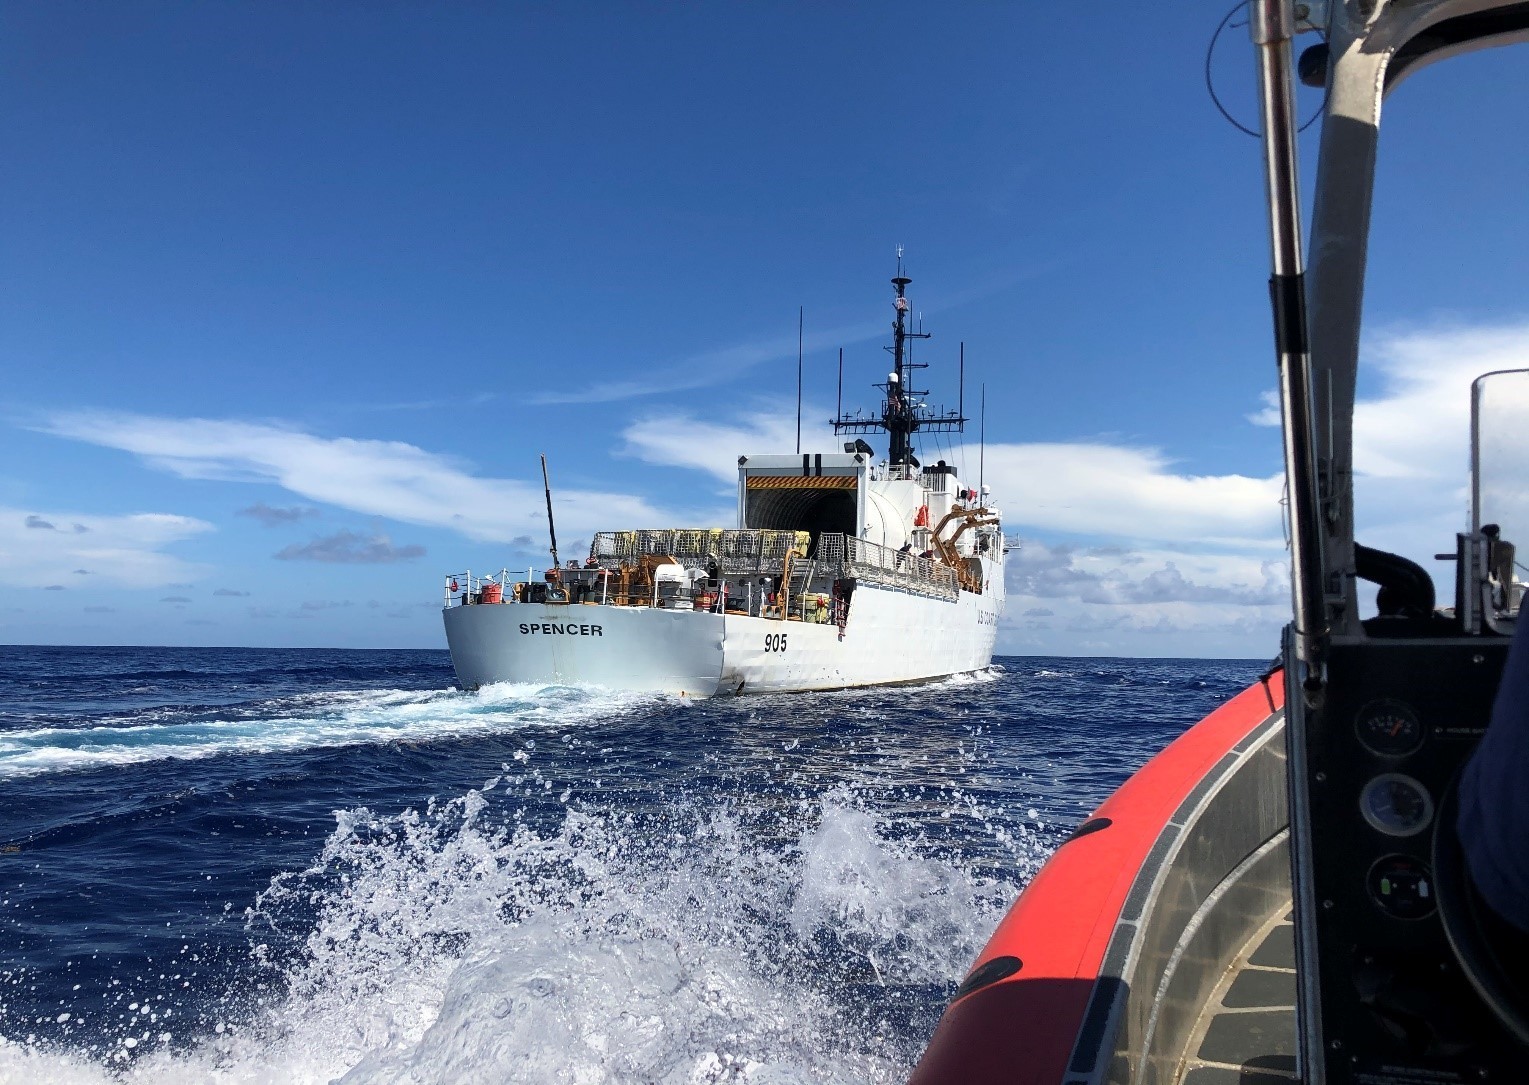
column 292, row 296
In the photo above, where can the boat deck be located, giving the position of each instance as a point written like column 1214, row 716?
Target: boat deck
column 1246, row 1031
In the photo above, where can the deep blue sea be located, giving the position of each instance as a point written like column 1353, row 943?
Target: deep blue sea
column 249, row 865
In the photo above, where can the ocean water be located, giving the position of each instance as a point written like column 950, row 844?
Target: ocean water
column 245, row 865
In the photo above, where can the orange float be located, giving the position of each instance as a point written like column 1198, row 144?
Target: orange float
column 1017, row 1016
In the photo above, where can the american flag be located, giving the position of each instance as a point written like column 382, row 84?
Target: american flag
column 902, row 305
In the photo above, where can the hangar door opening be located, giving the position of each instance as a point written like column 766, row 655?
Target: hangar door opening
column 819, row 505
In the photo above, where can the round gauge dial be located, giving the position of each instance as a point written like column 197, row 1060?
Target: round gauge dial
column 1389, row 728
column 1396, row 805
column 1401, row 887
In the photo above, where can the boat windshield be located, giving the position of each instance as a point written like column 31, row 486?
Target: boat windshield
column 1500, row 467
column 1442, row 306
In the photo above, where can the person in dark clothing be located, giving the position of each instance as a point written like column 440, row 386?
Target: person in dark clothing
column 1493, row 824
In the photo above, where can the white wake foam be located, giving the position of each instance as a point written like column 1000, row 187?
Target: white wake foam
column 463, row 945
column 308, row 721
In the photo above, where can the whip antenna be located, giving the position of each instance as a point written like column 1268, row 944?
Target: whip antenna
column 551, row 530
column 801, row 316
column 981, row 442
column 839, row 408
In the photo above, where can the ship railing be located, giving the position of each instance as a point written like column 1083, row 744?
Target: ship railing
column 465, row 589
column 736, row 552
column 831, row 551
column 895, row 472
column 879, row 564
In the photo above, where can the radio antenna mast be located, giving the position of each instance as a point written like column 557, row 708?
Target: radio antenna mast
column 839, row 408
column 801, row 316
column 981, row 441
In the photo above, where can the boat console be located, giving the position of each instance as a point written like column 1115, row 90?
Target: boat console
column 1405, row 974
column 1381, row 985
column 1405, row 977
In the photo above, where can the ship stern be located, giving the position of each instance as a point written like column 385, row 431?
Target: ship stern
column 638, row 648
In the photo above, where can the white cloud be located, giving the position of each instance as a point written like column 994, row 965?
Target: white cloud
column 1268, row 414
column 1418, row 425
column 1412, row 436
column 1072, row 599
column 1412, row 433
column 709, row 368
column 720, row 364
column 1411, row 442
column 380, row 478
column 1122, row 492
column 1114, row 576
column 712, row 446
column 40, row 548
column 1415, row 422
column 1115, row 491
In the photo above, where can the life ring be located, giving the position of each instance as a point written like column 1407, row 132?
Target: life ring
column 921, row 517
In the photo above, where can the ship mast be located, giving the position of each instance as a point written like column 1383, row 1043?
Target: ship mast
column 903, row 410
column 897, row 409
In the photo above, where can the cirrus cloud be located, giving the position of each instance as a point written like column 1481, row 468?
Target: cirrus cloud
column 126, row 551
column 1087, row 488
column 379, row 478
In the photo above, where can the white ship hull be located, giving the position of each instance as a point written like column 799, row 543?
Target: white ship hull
column 890, row 636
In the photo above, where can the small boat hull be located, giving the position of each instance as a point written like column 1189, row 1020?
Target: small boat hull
column 1099, row 970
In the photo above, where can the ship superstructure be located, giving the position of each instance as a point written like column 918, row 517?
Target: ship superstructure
column 841, row 570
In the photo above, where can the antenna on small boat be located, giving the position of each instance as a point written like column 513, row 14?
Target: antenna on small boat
column 551, row 531
column 801, row 316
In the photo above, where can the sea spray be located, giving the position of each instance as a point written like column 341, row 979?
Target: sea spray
column 458, row 943
column 766, row 888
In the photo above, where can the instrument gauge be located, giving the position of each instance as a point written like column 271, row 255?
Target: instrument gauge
column 1396, row 805
column 1389, row 728
column 1401, row 887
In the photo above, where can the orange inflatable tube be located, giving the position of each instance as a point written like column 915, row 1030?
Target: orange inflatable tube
column 1016, row 1017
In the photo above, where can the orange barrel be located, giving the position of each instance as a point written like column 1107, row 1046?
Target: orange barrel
column 493, row 593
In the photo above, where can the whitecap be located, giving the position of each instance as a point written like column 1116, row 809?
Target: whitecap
column 446, row 945
column 309, row 721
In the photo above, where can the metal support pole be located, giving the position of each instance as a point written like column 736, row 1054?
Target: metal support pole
column 1271, row 23
column 551, row 530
